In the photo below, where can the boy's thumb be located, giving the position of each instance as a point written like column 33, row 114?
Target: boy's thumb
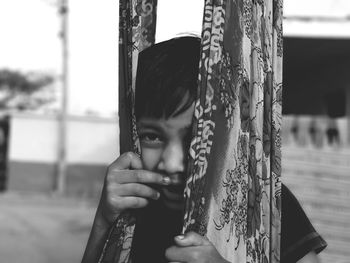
column 191, row 239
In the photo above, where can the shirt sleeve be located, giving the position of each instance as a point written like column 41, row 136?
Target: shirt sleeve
column 298, row 236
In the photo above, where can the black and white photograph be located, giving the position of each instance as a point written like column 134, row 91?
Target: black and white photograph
column 187, row 131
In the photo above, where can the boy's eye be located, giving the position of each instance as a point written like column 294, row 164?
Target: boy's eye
column 150, row 139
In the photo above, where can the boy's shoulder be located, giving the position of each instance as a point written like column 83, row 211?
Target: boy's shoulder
column 298, row 236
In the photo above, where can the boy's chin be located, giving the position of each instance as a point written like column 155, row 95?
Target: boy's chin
column 172, row 199
column 173, row 205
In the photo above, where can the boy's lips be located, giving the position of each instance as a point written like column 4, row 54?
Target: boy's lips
column 172, row 197
column 173, row 193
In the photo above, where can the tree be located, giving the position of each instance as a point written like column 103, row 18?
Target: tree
column 25, row 91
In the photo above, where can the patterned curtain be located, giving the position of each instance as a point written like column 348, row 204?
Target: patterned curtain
column 233, row 190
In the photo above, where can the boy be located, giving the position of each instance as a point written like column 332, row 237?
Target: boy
column 153, row 183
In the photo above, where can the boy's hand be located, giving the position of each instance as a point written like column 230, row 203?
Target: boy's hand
column 126, row 187
column 193, row 248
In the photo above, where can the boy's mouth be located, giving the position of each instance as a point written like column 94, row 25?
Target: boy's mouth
column 174, row 193
column 172, row 196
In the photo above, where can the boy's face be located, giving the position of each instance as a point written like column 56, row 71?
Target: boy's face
column 164, row 147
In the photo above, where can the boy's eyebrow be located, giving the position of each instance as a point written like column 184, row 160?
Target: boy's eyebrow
column 149, row 125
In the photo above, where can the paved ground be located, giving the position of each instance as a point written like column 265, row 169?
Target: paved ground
column 42, row 228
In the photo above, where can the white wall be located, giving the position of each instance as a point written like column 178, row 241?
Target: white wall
column 326, row 8
column 33, row 138
column 325, row 18
column 90, row 140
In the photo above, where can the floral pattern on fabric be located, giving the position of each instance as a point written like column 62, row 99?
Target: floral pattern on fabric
column 233, row 191
column 118, row 244
column 137, row 22
column 195, row 218
column 240, row 88
column 234, row 206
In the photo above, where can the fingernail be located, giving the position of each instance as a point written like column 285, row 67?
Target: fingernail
column 158, row 195
column 180, row 237
column 176, row 181
column 166, row 180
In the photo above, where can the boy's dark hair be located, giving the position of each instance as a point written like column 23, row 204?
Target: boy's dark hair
column 166, row 79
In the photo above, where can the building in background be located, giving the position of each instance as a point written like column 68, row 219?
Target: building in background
column 316, row 117
column 316, row 62
column 92, row 143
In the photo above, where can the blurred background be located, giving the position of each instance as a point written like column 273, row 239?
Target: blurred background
column 59, row 125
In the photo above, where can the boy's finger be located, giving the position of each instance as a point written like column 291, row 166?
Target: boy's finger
column 138, row 176
column 179, row 254
column 131, row 202
column 128, row 160
column 191, row 239
column 140, row 190
column 175, row 254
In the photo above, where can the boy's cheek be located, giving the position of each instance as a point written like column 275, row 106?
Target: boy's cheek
column 150, row 158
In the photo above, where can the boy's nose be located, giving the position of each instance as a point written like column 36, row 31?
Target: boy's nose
column 172, row 161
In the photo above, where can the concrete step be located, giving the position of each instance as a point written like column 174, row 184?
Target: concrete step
column 319, row 186
column 328, row 216
column 338, row 172
column 333, row 231
column 337, row 247
column 326, row 257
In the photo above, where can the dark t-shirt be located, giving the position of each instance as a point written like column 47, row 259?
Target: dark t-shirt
column 298, row 236
column 154, row 234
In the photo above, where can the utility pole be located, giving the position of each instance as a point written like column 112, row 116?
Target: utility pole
column 62, row 130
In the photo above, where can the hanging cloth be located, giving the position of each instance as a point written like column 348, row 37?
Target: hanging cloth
column 233, row 191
